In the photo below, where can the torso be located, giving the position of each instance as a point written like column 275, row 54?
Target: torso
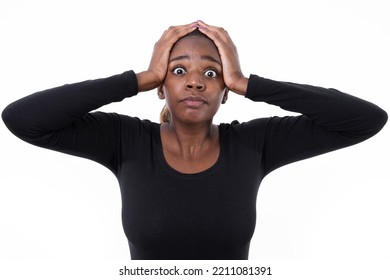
column 208, row 214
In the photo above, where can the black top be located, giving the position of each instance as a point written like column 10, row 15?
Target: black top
column 208, row 215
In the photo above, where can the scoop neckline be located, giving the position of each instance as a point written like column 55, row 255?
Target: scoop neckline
column 173, row 171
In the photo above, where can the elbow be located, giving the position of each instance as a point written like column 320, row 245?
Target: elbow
column 377, row 120
column 14, row 120
column 382, row 118
column 8, row 117
column 368, row 123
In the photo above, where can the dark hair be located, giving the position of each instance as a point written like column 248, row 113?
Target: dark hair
column 165, row 115
column 196, row 32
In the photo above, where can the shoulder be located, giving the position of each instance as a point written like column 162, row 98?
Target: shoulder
column 255, row 125
column 251, row 132
column 123, row 122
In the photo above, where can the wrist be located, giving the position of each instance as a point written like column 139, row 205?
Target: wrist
column 241, row 86
column 147, row 80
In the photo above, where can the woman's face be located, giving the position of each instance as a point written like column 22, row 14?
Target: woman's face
column 194, row 86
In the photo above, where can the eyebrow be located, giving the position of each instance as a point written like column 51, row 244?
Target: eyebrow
column 205, row 57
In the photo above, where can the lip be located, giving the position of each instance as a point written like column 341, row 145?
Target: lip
column 193, row 101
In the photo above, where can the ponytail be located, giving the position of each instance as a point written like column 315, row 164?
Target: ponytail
column 165, row 115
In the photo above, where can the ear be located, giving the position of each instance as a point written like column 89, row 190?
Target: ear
column 225, row 96
column 160, row 92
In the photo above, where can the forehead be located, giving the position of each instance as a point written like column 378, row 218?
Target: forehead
column 194, row 45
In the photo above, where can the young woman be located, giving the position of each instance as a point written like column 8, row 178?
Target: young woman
column 189, row 186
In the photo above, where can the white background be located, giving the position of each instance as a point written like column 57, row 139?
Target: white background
column 58, row 207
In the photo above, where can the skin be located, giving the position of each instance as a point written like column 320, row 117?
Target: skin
column 194, row 76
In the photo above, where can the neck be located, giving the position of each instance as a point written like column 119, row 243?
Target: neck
column 191, row 140
column 191, row 133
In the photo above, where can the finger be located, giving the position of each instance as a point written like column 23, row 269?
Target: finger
column 174, row 33
column 163, row 46
column 221, row 39
column 215, row 33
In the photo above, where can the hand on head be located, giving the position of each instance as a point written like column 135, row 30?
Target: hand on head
column 232, row 74
column 155, row 75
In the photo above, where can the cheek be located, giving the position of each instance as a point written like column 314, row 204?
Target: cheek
column 173, row 88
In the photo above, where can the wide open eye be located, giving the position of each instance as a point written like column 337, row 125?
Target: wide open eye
column 179, row 71
column 210, row 74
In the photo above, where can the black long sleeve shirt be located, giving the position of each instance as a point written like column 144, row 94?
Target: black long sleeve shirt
column 211, row 214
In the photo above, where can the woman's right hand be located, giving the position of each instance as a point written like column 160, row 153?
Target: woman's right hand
column 158, row 66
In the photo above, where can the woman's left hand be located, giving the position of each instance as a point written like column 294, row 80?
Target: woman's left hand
column 232, row 74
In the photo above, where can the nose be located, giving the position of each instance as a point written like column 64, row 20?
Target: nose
column 195, row 83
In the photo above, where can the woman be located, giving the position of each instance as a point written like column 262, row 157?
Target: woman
column 188, row 186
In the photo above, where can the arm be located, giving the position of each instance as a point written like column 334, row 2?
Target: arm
column 59, row 118
column 330, row 120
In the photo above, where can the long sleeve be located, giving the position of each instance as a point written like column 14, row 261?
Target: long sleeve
column 329, row 120
column 60, row 118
